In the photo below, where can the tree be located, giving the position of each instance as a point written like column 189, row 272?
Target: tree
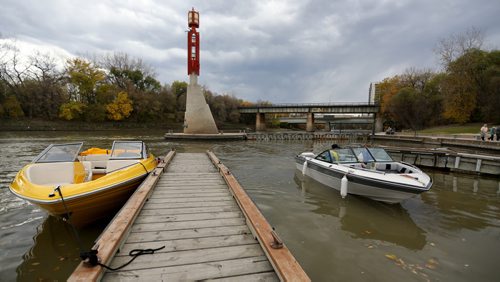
column 410, row 108
column 12, row 107
column 490, row 101
column 179, row 90
column 465, row 85
column 72, row 110
column 84, row 79
column 45, row 88
column 120, row 108
column 412, row 99
column 388, row 88
column 456, row 45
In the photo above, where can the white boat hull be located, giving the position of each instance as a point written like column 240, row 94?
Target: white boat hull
column 374, row 189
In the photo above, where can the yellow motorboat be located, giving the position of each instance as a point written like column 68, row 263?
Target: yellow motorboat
column 85, row 185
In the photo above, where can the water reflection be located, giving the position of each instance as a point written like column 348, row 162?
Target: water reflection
column 55, row 252
column 363, row 218
column 464, row 202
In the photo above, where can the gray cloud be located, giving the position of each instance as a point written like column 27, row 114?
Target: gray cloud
column 282, row 51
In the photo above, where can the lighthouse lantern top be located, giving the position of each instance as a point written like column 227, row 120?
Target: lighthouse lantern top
column 193, row 18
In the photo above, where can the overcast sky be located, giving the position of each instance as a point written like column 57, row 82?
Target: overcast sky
column 281, row 51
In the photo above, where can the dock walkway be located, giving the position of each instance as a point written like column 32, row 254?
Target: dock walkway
column 205, row 230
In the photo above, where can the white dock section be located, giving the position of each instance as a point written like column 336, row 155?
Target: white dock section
column 194, row 215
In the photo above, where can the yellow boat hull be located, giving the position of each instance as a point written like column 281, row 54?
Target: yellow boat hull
column 87, row 201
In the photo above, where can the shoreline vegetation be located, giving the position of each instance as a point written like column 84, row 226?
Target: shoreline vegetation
column 59, row 125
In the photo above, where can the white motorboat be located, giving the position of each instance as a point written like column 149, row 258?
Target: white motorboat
column 364, row 171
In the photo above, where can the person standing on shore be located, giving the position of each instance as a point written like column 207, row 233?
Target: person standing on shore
column 498, row 132
column 492, row 133
column 484, row 130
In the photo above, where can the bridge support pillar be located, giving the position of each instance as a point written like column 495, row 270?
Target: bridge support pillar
column 327, row 126
column 378, row 124
column 260, row 122
column 310, row 122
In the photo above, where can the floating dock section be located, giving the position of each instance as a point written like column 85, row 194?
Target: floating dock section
column 354, row 136
column 209, row 226
column 448, row 160
column 204, row 137
column 492, row 147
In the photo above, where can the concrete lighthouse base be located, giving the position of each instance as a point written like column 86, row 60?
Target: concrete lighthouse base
column 198, row 119
column 199, row 123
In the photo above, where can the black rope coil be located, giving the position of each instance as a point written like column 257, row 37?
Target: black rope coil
column 92, row 259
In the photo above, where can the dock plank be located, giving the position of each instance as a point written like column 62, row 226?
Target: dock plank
column 190, row 205
column 189, row 216
column 165, row 200
column 191, row 224
column 190, row 257
column 187, row 233
column 190, row 244
column 169, row 211
column 196, row 272
column 189, row 194
column 257, row 277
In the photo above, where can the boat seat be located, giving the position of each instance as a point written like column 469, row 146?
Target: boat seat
column 98, row 162
column 385, row 166
column 88, row 170
column 51, row 173
column 114, row 165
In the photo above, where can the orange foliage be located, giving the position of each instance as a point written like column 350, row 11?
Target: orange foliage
column 387, row 89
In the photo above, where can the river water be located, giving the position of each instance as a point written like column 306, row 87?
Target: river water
column 451, row 233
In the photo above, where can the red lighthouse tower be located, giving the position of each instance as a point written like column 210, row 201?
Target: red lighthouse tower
column 193, row 43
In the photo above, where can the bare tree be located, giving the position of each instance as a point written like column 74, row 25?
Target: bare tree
column 13, row 68
column 416, row 78
column 456, row 45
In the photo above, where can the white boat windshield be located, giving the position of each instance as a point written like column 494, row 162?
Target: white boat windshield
column 380, row 155
column 59, row 153
column 363, row 155
column 337, row 156
column 126, row 150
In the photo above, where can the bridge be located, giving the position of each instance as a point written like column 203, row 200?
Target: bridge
column 310, row 109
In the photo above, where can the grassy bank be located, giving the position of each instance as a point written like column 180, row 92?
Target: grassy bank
column 469, row 128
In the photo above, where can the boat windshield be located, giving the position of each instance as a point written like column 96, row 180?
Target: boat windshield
column 363, row 155
column 380, row 155
column 59, row 153
column 337, row 156
column 128, row 150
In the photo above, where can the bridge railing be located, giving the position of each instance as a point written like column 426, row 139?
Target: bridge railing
column 296, row 105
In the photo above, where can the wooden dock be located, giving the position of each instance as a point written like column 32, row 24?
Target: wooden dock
column 209, row 226
column 448, row 160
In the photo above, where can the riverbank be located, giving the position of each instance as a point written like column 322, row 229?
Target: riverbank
column 59, row 125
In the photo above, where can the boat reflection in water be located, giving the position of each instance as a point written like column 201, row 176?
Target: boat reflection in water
column 55, row 252
column 364, row 218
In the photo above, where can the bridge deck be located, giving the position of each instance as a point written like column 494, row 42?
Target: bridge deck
column 207, row 233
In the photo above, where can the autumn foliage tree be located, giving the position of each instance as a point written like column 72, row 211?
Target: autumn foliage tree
column 467, row 90
column 120, row 108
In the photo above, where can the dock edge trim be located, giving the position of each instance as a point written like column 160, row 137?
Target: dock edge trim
column 114, row 235
column 284, row 263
